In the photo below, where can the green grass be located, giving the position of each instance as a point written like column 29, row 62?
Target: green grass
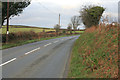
column 15, row 29
column 9, row 45
column 78, row 31
column 95, row 54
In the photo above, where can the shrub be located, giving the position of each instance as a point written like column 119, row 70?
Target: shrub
column 91, row 15
column 64, row 32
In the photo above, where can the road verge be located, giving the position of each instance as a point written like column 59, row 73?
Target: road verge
column 95, row 54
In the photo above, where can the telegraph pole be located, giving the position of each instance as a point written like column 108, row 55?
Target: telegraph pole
column 59, row 19
column 7, row 32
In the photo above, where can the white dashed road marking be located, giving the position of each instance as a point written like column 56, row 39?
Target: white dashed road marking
column 55, row 41
column 28, row 53
column 47, row 44
column 8, row 61
column 32, row 51
column 16, row 58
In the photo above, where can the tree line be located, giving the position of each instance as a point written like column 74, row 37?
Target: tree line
column 89, row 16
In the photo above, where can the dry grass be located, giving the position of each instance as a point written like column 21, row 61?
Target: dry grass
column 95, row 53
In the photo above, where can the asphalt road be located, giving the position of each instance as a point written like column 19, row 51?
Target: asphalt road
column 43, row 59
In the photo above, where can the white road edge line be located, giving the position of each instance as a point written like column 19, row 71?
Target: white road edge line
column 47, row 44
column 8, row 62
column 32, row 51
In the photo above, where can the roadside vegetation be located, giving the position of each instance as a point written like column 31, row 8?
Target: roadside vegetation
column 22, row 42
column 95, row 53
column 91, row 15
column 20, row 35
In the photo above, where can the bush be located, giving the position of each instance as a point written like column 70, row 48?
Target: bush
column 91, row 15
column 25, row 36
column 11, row 36
column 3, row 38
column 64, row 32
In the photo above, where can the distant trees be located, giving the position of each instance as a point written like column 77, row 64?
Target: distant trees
column 57, row 28
column 75, row 21
column 15, row 8
column 69, row 28
column 108, row 19
column 91, row 15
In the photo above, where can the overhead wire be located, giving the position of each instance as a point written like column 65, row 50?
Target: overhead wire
column 47, row 8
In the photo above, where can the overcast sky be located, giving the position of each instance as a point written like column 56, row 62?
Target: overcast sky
column 44, row 13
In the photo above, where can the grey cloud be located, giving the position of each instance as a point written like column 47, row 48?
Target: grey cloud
column 37, row 15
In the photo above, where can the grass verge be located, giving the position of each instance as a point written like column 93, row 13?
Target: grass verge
column 9, row 45
column 95, row 54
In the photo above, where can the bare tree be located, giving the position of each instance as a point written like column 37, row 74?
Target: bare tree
column 108, row 19
column 105, row 19
column 76, row 21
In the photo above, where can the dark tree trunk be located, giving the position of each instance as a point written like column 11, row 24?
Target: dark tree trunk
column 2, row 22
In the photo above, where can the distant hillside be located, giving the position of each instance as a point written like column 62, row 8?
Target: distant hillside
column 21, row 28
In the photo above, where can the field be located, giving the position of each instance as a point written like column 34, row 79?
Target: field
column 78, row 31
column 15, row 29
column 95, row 54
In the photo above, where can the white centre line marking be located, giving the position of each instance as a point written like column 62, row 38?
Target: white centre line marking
column 47, row 45
column 32, row 51
column 8, row 61
column 55, row 41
